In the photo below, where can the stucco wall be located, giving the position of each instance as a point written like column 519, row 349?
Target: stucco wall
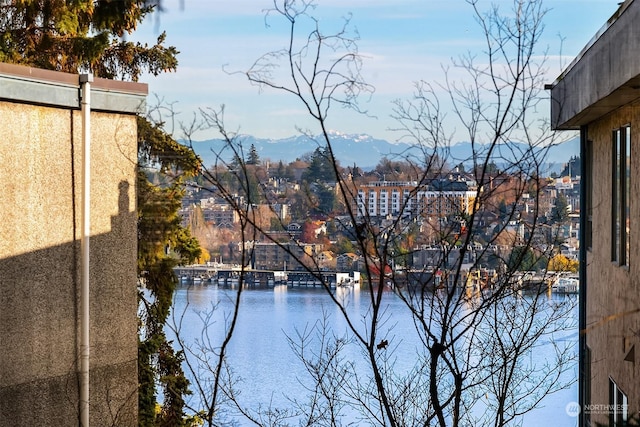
column 613, row 292
column 40, row 231
column 604, row 76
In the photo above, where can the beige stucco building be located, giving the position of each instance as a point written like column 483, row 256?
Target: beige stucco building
column 41, row 261
column 599, row 95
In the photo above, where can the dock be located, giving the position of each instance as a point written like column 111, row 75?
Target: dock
column 230, row 276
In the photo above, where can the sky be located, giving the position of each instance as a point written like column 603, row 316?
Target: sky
column 401, row 41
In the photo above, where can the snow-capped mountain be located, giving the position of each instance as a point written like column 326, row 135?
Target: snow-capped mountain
column 361, row 149
column 366, row 151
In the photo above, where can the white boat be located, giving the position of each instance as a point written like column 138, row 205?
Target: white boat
column 566, row 285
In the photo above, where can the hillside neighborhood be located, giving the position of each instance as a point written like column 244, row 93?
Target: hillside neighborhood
column 152, row 281
column 299, row 202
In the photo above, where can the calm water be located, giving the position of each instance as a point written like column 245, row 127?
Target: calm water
column 261, row 355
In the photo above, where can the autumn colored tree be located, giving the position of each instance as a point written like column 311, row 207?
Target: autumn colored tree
column 562, row 263
column 308, row 234
column 343, row 245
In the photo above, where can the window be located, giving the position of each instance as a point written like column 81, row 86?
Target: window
column 588, row 183
column 626, row 167
column 618, row 404
column 586, row 386
column 620, row 174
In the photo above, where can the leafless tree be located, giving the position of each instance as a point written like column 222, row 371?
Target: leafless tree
column 479, row 331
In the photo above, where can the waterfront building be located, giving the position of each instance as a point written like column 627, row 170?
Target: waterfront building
column 434, row 257
column 285, row 256
column 348, row 262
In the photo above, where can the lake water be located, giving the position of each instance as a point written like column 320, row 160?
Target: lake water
column 260, row 353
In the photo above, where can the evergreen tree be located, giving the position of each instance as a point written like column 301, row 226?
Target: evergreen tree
column 81, row 36
column 326, row 199
column 314, row 171
column 320, row 167
column 236, row 164
column 158, row 228
column 492, row 168
column 243, row 179
column 254, row 158
column 281, row 171
column 524, row 259
column 301, row 202
column 356, row 171
column 572, row 168
column 560, row 211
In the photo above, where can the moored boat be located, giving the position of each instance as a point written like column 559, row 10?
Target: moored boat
column 566, row 285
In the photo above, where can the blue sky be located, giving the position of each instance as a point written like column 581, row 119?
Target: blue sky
column 402, row 41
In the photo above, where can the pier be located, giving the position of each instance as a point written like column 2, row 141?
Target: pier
column 195, row 274
column 230, row 276
column 331, row 279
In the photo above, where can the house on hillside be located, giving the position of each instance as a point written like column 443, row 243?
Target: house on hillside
column 319, row 227
column 326, row 260
column 43, row 265
column 347, row 262
column 599, row 95
column 294, row 229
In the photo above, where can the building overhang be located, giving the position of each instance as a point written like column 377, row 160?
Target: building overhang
column 62, row 90
column 604, row 76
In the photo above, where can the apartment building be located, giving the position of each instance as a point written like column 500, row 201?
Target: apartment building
column 410, row 199
column 59, row 357
column 221, row 215
column 598, row 95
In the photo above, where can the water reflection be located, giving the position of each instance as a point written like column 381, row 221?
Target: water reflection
column 260, row 354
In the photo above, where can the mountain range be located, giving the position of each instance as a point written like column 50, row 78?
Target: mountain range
column 366, row 151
